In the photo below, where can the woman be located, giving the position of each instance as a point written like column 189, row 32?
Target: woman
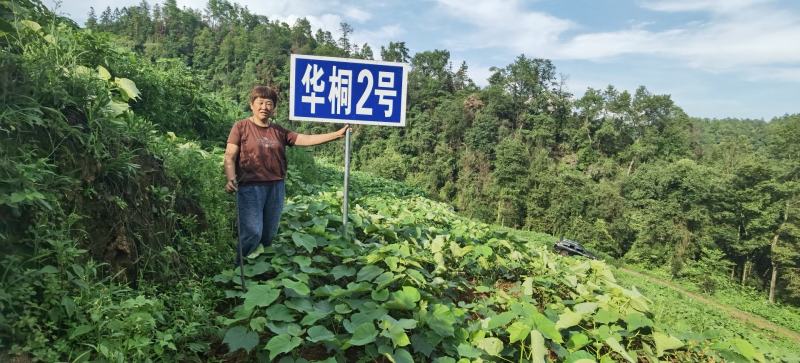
column 255, row 167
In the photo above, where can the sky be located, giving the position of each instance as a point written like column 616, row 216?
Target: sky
column 716, row 58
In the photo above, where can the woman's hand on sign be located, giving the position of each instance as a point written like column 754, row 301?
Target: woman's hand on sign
column 342, row 131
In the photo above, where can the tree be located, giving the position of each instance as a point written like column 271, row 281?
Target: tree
column 395, row 52
column 91, row 21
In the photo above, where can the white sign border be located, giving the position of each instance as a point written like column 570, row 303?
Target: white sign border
column 404, row 93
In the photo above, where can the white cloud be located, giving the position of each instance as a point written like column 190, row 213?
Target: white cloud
column 378, row 37
column 718, row 6
column 500, row 23
column 743, row 36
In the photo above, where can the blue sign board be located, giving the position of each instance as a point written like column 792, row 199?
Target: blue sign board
column 341, row 90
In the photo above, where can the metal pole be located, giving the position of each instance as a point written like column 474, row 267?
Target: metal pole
column 346, row 181
column 239, row 242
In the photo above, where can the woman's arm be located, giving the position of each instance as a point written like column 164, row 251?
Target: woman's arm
column 231, row 152
column 311, row 140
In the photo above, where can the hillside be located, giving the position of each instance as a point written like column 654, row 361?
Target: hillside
column 118, row 240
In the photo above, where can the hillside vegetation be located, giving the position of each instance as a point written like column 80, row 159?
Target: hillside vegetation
column 118, row 238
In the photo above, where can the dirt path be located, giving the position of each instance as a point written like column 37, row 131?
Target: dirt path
column 736, row 313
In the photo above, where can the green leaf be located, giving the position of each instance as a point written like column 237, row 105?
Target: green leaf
column 538, row 350
column 546, row 327
column 518, row 331
column 404, row 299
column 319, row 333
column 306, row 241
column 258, row 324
column 425, row 342
column 747, row 350
column 604, row 316
column 313, row 316
column 493, row 346
column 342, row 271
column 368, row 272
column 499, row 320
column 380, row 295
column 282, row 343
column 32, row 25
column 580, row 356
column 585, row 308
column 568, row 319
column 665, row 342
column 577, row 341
column 239, row 337
column 468, row 351
column 441, row 320
column 279, row 312
column 260, row 295
column 397, row 335
column 364, row 334
column 613, row 343
column 636, row 320
column 402, row 356
column 79, row 330
column 298, row 287
column 103, row 74
column 129, row 90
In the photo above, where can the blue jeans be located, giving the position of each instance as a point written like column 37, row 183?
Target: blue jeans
column 259, row 208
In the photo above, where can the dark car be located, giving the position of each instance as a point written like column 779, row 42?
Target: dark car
column 566, row 247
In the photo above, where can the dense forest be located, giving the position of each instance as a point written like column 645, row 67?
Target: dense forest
column 628, row 172
column 114, row 221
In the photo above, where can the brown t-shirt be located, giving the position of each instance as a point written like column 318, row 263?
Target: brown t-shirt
column 262, row 156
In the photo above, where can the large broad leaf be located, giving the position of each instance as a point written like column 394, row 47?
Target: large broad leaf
column 319, row 333
column 368, row 272
column 577, row 341
column 538, row 350
column 747, row 350
column 306, row 241
column 568, row 319
column 665, row 342
column 402, row 356
column 441, row 320
column 493, row 346
column 613, row 343
column 128, row 88
column 468, row 351
column 637, row 320
column 546, row 327
column 102, row 73
column 580, row 356
column 260, row 295
column 279, row 312
column 298, row 287
column 518, row 331
column 425, row 342
column 499, row 320
column 397, row 335
column 313, row 316
column 342, row 271
column 604, row 316
column 585, row 308
column 364, row 334
column 239, row 337
column 405, row 299
column 282, row 343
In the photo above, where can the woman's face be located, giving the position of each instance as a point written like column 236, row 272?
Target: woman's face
column 262, row 108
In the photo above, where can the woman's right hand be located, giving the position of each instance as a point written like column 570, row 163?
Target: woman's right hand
column 231, row 186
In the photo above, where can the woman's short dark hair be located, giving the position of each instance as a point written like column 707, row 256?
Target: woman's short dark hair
column 264, row 92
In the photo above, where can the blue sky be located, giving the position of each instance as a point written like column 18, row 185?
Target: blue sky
column 717, row 58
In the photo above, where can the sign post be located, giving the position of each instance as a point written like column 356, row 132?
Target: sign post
column 351, row 91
